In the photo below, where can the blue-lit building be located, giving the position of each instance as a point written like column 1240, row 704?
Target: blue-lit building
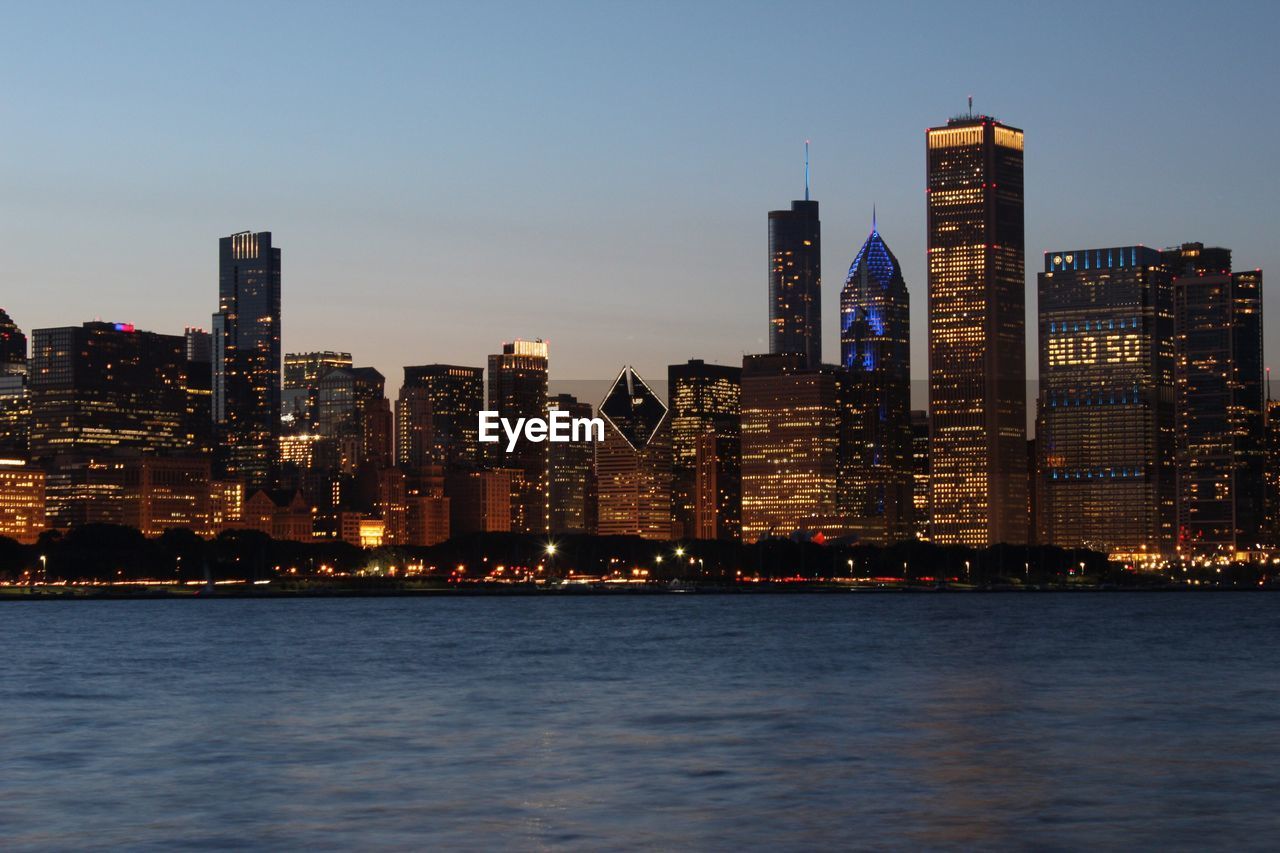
column 1105, row 417
column 875, row 350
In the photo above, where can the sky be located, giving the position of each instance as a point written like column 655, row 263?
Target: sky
column 445, row 177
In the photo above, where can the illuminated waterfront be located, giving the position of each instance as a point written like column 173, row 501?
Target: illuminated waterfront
column 673, row 721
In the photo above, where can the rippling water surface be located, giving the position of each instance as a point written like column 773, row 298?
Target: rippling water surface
column 804, row 721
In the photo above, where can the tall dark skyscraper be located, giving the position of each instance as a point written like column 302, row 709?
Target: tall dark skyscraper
column 1105, row 421
column 875, row 348
column 437, row 416
column 705, row 398
column 570, row 475
column 977, row 336
column 795, row 278
column 1219, row 404
column 246, row 358
column 518, row 389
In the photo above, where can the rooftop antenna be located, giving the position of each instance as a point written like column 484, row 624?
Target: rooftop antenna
column 971, row 106
column 806, row 170
column 873, row 217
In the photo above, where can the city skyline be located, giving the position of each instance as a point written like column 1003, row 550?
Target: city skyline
column 674, row 196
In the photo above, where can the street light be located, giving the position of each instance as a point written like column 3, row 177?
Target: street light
column 680, row 552
column 551, row 549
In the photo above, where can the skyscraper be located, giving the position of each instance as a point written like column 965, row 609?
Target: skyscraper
column 437, row 416
column 795, row 278
column 246, row 357
column 794, row 429
column 352, row 412
column 101, row 387
column 977, row 339
column 302, row 374
column 875, row 349
column 15, row 403
column 705, row 399
column 1105, row 421
column 570, row 474
column 1219, row 413
column 518, row 389
column 633, row 463
column 13, row 347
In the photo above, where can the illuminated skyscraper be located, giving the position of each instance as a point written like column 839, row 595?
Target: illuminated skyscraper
column 246, row 358
column 302, row 374
column 570, row 474
column 352, row 412
column 977, row 339
column 875, row 348
column 437, row 416
column 633, row 463
column 1219, row 413
column 1105, row 421
column 795, row 278
column 102, row 387
column 15, row 402
column 705, row 398
column 794, row 429
column 13, row 347
column 518, row 389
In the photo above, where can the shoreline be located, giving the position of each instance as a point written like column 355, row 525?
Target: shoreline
column 139, row 592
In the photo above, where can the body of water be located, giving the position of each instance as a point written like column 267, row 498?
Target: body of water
column 1117, row 720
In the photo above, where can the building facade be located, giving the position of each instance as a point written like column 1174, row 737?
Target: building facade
column 570, row 474
column 1105, row 416
column 1219, row 415
column 518, row 389
column 246, row 358
column 705, row 399
column 633, row 463
column 102, row 387
column 875, row 350
column 977, row 336
column 794, row 428
column 437, row 416
column 795, row 281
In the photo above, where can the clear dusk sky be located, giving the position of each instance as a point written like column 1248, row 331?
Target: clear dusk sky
column 445, row 177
